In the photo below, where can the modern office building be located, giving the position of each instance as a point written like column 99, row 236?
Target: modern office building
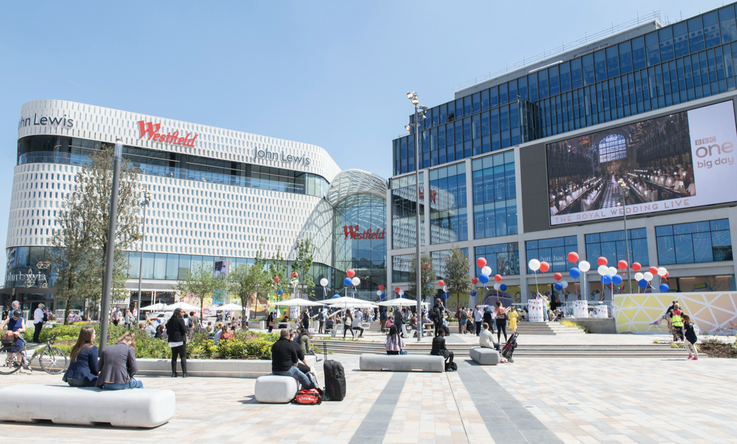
column 539, row 162
column 216, row 196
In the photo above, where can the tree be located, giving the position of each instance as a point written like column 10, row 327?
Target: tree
column 245, row 280
column 201, row 283
column 303, row 263
column 277, row 269
column 80, row 243
column 457, row 276
column 427, row 277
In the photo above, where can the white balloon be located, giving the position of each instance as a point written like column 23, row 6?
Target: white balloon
column 486, row 271
column 564, row 284
column 612, row 271
column 648, row 276
column 603, row 270
column 445, row 288
column 639, row 276
column 497, row 286
column 662, row 271
column 401, row 292
column 534, row 265
column 356, row 282
column 378, row 292
column 584, row 266
column 324, row 282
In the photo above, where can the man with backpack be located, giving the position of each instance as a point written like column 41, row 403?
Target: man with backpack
column 39, row 317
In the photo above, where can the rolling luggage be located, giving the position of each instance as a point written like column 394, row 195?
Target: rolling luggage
column 334, row 380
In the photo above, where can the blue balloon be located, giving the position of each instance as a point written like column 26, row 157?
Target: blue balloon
column 445, row 295
column 642, row 283
column 347, row 282
column 401, row 296
column 574, row 272
column 382, row 296
column 617, row 279
column 557, row 286
column 503, row 287
column 606, row 279
column 473, row 293
column 336, row 296
column 483, row 279
column 664, row 288
column 279, row 292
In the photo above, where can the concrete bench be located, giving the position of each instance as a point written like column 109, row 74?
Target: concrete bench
column 275, row 389
column 484, row 356
column 401, row 363
column 144, row 408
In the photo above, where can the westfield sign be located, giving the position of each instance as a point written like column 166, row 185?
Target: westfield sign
column 354, row 232
column 152, row 130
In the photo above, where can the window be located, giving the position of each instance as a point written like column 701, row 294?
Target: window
column 494, row 196
column 611, row 246
column 612, row 147
column 708, row 241
column 503, row 259
column 553, row 251
column 448, row 212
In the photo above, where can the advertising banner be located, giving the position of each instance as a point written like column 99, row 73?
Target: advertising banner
column 681, row 160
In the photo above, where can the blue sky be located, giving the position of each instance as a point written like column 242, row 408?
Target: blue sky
column 333, row 74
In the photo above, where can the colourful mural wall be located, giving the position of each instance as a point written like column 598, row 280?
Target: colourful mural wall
column 713, row 312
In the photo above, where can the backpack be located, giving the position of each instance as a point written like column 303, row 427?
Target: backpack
column 309, row 397
column 46, row 317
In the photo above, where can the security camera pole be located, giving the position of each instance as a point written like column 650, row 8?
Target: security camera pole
column 110, row 253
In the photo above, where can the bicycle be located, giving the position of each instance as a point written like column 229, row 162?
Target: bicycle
column 13, row 356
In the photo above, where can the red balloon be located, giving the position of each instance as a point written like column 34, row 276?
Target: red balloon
column 350, row 273
column 636, row 266
column 481, row 262
column 665, row 276
column 622, row 265
column 381, row 287
column 601, row 261
column 573, row 257
column 441, row 283
column 558, row 276
column 653, row 270
column 498, row 278
column 544, row 266
column 396, row 289
column 474, row 281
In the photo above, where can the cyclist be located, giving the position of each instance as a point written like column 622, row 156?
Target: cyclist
column 17, row 325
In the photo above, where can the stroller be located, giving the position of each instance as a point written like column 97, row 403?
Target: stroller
column 508, row 349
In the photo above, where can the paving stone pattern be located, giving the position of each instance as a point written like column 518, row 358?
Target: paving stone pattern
column 532, row 400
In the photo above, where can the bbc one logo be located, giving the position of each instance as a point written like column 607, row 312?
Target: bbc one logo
column 708, row 148
column 354, row 232
column 152, row 130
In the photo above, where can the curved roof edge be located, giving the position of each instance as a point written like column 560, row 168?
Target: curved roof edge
column 355, row 181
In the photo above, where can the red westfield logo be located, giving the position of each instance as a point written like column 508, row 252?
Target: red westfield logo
column 152, row 129
column 353, row 232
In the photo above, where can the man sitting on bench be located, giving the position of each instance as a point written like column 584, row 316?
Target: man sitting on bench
column 439, row 349
column 284, row 361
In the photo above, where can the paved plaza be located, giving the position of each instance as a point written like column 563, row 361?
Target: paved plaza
column 536, row 400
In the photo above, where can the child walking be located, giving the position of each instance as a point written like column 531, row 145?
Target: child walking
column 691, row 339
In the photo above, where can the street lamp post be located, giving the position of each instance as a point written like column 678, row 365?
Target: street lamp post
column 144, row 203
column 110, row 253
column 624, row 191
column 415, row 128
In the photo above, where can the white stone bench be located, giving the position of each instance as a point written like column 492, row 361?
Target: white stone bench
column 144, row 408
column 275, row 389
column 401, row 363
column 484, row 356
column 219, row 368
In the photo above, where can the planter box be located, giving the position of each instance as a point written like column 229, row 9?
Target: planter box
column 216, row 368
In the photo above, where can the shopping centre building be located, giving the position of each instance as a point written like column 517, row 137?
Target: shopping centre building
column 541, row 161
column 217, row 196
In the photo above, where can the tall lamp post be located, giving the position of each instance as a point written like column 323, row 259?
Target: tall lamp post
column 144, row 203
column 414, row 127
column 110, row 253
column 624, row 191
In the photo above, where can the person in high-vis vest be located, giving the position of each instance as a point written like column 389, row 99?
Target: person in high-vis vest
column 677, row 321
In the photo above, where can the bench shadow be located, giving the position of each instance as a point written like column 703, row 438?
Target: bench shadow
column 97, row 425
column 249, row 400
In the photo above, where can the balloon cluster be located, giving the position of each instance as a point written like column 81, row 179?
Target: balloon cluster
column 442, row 285
column 399, row 291
column 643, row 279
column 348, row 281
column 485, row 275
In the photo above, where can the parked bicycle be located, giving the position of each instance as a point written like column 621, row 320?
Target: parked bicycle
column 13, row 356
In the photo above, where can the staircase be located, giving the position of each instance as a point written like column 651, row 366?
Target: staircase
column 546, row 328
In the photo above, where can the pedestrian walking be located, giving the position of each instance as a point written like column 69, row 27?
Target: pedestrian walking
column 348, row 324
column 501, row 321
column 382, row 320
column 691, row 338
column 38, row 321
column 478, row 317
column 677, row 322
column 177, row 332
column 513, row 315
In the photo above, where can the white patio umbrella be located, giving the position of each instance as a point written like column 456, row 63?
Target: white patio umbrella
column 183, row 305
column 296, row 302
column 229, row 307
column 347, row 301
column 154, row 307
column 401, row 302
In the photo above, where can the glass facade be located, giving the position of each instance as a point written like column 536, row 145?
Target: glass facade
column 553, row 251
column 503, row 259
column 611, row 246
column 438, row 261
column 404, row 209
column 401, row 266
column 708, row 241
column 448, row 213
column 75, row 151
column 494, row 196
column 675, row 64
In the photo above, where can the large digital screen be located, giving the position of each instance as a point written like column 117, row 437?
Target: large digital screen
column 681, row 160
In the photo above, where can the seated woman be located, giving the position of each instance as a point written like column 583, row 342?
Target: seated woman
column 305, row 344
column 226, row 334
column 394, row 343
column 486, row 338
column 82, row 371
column 118, row 364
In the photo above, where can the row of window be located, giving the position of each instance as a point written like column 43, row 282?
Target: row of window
column 448, row 214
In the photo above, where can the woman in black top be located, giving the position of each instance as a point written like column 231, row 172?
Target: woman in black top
column 177, row 333
column 270, row 321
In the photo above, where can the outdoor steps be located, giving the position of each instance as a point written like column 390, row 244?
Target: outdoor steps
column 523, row 328
column 523, row 350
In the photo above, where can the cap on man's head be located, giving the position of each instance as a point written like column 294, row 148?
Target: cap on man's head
column 284, row 333
column 17, row 314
